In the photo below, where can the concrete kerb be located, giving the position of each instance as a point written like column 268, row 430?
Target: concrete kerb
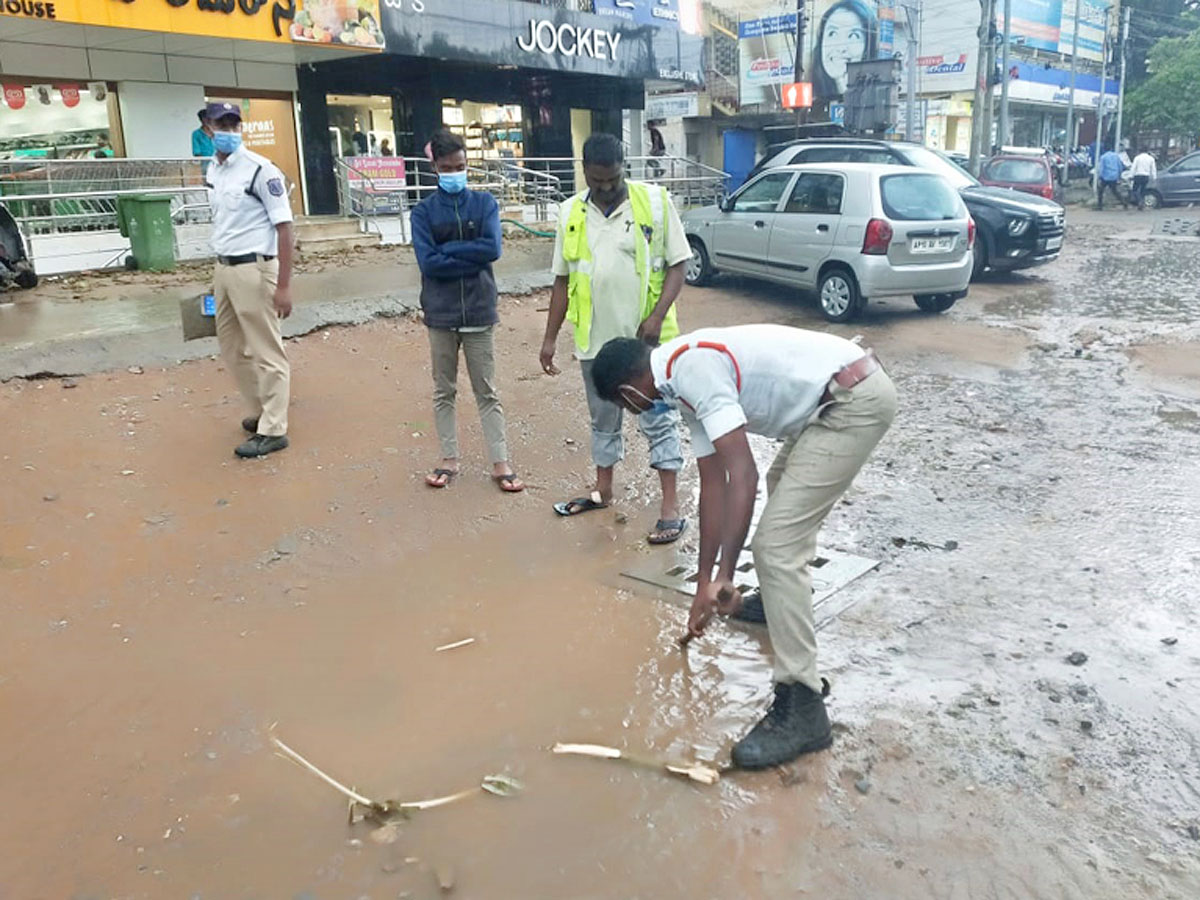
column 164, row 346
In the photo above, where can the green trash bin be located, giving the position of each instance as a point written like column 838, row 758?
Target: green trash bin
column 146, row 220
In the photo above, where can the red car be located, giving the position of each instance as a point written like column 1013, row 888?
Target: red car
column 1031, row 174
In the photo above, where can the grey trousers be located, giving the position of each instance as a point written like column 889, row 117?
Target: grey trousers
column 479, row 349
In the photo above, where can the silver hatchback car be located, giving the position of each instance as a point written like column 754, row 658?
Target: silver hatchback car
column 848, row 231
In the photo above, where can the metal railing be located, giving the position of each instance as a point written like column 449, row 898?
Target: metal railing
column 690, row 183
column 514, row 186
column 67, row 196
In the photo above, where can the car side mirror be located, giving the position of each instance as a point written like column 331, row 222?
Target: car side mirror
column 726, row 204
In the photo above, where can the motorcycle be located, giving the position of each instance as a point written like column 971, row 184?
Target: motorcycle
column 16, row 268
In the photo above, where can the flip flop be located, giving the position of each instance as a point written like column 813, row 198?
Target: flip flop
column 580, row 505
column 449, row 475
column 674, row 529
column 509, row 483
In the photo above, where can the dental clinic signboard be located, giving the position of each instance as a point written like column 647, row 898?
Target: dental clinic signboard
column 532, row 36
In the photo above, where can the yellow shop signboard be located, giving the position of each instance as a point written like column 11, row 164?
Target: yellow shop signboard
column 351, row 23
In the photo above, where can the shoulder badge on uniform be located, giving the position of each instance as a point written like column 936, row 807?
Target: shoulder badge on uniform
column 275, row 186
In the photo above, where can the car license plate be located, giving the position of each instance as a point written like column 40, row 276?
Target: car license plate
column 1053, row 243
column 931, row 244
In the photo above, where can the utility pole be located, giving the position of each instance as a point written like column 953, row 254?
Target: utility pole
column 1100, row 105
column 798, row 70
column 982, row 77
column 1121, row 86
column 1071, row 98
column 913, row 18
column 1004, row 135
column 989, row 105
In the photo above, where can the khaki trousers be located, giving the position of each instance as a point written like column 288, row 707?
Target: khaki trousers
column 480, row 351
column 248, row 331
column 808, row 476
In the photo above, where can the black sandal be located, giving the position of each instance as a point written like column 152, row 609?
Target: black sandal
column 448, row 474
column 674, row 529
column 580, row 505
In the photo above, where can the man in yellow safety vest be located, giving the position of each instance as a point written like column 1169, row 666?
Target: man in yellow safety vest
column 618, row 264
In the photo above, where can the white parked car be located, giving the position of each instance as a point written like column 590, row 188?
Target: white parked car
column 851, row 232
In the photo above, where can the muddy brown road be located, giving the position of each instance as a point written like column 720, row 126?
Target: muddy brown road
column 164, row 605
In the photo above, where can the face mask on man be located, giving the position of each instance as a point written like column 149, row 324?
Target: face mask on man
column 226, row 141
column 452, row 182
column 639, row 402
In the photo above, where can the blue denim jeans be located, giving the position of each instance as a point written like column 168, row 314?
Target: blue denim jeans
column 608, row 446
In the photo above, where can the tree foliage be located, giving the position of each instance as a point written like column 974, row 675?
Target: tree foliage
column 1169, row 99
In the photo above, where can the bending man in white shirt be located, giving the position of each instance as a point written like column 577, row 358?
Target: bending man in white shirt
column 830, row 402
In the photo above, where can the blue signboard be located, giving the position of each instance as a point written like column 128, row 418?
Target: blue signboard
column 752, row 28
column 641, row 12
column 837, row 114
column 1037, row 23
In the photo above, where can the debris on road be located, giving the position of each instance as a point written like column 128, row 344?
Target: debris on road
column 696, row 772
column 1077, row 658
column 455, row 645
column 385, row 811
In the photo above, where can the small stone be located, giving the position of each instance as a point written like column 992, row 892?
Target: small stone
column 1170, row 641
column 354, row 842
column 951, row 545
column 389, row 868
column 222, row 502
column 1194, row 832
column 50, row 498
column 136, row 370
column 210, row 754
column 69, row 383
column 1086, row 725
column 992, row 700
column 1077, row 658
column 621, row 518
column 863, row 786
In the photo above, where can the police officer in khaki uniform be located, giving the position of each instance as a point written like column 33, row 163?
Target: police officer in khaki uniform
column 252, row 237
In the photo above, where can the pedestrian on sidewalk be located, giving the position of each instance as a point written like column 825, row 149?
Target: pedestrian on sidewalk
column 618, row 266
column 1144, row 170
column 202, row 140
column 830, row 402
column 456, row 237
column 658, row 148
column 252, row 237
column 1109, row 170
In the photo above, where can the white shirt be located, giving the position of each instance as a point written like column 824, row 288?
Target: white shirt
column 769, row 378
column 616, row 288
column 1144, row 164
column 248, row 195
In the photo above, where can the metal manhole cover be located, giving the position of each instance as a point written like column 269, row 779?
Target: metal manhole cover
column 831, row 571
column 1178, row 226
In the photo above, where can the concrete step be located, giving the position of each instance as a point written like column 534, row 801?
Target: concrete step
column 312, row 228
column 337, row 244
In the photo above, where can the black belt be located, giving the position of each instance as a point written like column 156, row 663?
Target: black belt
column 243, row 259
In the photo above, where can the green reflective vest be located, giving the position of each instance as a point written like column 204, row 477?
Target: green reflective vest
column 649, row 205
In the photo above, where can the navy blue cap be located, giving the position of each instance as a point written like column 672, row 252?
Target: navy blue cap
column 220, row 110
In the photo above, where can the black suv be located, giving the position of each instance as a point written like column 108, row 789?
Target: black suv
column 1015, row 230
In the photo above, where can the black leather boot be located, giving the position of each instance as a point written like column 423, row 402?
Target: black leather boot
column 795, row 724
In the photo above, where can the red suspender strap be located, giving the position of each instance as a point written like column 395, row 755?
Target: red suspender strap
column 708, row 345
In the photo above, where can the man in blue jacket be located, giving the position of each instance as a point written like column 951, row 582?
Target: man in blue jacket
column 1110, row 168
column 456, row 236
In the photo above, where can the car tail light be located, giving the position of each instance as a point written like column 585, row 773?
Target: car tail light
column 878, row 236
column 1048, row 191
column 970, row 232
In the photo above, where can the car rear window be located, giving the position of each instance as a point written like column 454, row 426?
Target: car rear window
column 918, row 197
column 1015, row 171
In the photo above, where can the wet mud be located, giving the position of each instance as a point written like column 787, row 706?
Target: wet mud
column 165, row 605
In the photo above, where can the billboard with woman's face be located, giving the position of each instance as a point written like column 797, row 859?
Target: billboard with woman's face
column 847, row 32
